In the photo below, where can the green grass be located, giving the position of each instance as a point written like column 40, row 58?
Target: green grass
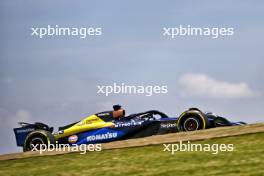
column 247, row 159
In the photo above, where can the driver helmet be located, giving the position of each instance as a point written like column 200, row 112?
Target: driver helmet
column 118, row 111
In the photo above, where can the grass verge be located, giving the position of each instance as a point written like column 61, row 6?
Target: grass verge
column 247, row 159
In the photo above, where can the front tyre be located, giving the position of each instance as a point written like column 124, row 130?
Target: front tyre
column 38, row 138
column 192, row 120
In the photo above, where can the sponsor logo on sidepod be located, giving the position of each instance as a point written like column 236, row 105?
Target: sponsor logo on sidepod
column 168, row 125
column 128, row 124
column 101, row 136
column 73, row 139
column 25, row 130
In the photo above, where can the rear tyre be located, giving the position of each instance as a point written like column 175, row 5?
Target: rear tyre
column 37, row 139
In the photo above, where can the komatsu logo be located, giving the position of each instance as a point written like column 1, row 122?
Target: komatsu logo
column 101, row 136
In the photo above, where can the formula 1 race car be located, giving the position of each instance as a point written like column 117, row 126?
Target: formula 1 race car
column 114, row 125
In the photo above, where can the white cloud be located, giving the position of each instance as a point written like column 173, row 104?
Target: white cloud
column 10, row 120
column 205, row 86
column 7, row 80
column 23, row 116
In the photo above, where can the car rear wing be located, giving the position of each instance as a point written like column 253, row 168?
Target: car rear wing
column 26, row 128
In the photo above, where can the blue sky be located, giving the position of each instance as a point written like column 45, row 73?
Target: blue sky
column 53, row 80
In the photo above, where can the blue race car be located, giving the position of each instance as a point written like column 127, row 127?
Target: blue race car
column 114, row 125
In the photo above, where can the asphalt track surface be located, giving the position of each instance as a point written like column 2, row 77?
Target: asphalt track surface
column 158, row 139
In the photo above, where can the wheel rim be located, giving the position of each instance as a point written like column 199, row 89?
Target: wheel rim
column 37, row 141
column 191, row 124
